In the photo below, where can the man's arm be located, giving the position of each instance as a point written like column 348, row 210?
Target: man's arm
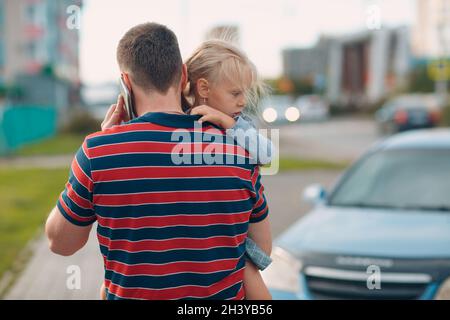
column 70, row 222
column 64, row 237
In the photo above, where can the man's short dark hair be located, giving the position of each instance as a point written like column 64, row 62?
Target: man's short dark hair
column 151, row 55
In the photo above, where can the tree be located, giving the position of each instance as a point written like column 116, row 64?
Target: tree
column 420, row 80
column 48, row 70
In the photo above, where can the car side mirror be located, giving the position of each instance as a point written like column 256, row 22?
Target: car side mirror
column 315, row 194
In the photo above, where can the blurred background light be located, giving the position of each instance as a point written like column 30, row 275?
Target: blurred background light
column 292, row 114
column 270, row 115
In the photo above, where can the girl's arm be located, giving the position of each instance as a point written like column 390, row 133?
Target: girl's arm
column 259, row 147
column 242, row 131
column 260, row 233
column 214, row 116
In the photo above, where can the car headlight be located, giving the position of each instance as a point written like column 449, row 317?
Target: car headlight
column 284, row 272
column 270, row 115
column 444, row 291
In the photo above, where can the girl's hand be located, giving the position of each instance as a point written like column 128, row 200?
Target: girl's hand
column 214, row 116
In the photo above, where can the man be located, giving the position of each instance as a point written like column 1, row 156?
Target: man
column 165, row 231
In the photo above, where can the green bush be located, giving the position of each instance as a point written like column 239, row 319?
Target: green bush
column 420, row 80
column 82, row 122
column 3, row 91
column 445, row 121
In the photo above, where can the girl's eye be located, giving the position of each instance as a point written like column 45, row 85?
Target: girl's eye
column 236, row 93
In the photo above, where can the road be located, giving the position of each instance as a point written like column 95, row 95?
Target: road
column 342, row 139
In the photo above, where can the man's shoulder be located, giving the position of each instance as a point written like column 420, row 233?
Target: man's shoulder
column 124, row 131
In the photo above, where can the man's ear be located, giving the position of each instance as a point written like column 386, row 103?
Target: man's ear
column 126, row 79
column 184, row 77
column 203, row 88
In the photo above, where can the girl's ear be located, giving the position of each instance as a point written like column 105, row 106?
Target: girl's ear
column 203, row 88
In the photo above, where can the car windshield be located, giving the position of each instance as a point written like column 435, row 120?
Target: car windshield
column 400, row 179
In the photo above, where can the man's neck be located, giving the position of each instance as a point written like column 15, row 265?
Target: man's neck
column 169, row 103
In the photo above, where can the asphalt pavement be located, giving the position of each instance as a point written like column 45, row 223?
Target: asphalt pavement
column 342, row 139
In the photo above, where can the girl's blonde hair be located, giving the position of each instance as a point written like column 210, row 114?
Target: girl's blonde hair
column 217, row 61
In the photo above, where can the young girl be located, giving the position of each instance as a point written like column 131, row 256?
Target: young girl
column 223, row 83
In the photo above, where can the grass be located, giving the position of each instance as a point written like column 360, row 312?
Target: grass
column 27, row 197
column 294, row 164
column 66, row 143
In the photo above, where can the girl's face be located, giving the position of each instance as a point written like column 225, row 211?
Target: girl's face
column 227, row 98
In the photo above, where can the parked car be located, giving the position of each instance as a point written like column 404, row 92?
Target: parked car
column 383, row 232
column 313, row 108
column 408, row 112
column 279, row 109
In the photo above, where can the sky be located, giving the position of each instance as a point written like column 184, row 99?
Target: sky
column 266, row 26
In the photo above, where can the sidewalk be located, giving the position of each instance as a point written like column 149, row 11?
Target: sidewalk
column 46, row 274
column 49, row 162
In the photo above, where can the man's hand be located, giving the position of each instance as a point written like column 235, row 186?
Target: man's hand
column 214, row 116
column 115, row 115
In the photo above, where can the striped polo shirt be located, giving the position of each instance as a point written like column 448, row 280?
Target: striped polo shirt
column 173, row 201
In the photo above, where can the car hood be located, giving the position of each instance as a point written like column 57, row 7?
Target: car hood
column 400, row 234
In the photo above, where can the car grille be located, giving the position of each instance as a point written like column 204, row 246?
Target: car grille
column 354, row 287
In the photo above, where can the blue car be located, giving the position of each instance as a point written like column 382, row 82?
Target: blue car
column 383, row 232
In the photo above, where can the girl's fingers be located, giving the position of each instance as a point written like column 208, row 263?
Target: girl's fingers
column 200, row 110
column 203, row 119
column 196, row 111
